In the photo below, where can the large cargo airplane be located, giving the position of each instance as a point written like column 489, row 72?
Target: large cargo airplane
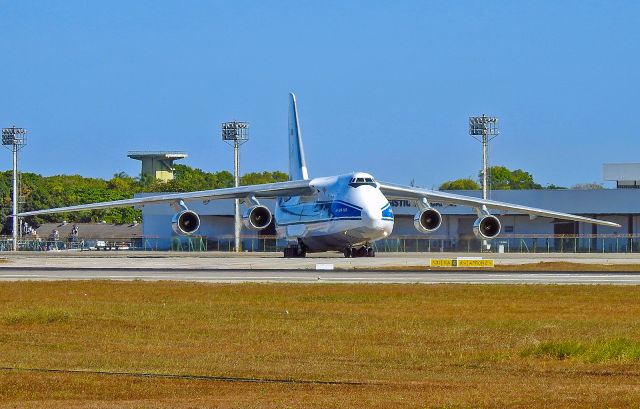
column 346, row 213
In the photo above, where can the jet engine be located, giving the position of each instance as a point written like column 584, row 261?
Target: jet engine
column 257, row 217
column 427, row 220
column 486, row 227
column 185, row 223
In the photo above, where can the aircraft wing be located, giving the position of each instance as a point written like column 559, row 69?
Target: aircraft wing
column 408, row 192
column 270, row 190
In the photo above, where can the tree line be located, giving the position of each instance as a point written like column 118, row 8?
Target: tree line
column 44, row 192
column 501, row 178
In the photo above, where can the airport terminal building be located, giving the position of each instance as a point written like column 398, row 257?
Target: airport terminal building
column 620, row 205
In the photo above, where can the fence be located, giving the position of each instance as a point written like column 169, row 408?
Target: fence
column 403, row 244
column 516, row 244
column 189, row 244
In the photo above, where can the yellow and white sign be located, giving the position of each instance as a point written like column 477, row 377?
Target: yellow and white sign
column 462, row 262
column 442, row 262
column 475, row 263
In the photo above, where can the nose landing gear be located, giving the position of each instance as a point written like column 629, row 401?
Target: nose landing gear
column 299, row 251
column 366, row 251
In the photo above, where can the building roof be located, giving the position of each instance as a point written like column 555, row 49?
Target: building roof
column 173, row 155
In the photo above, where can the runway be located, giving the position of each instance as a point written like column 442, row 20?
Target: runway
column 271, row 267
column 313, row 276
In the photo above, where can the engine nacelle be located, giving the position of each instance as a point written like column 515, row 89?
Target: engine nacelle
column 486, row 227
column 185, row 223
column 427, row 220
column 257, row 217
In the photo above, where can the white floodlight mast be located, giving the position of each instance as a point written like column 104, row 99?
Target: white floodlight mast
column 14, row 229
column 235, row 134
column 14, row 138
column 484, row 128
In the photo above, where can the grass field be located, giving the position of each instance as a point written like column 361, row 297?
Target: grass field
column 382, row 345
column 559, row 266
column 542, row 266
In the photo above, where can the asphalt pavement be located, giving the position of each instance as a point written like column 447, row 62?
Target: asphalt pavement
column 274, row 268
column 312, row 276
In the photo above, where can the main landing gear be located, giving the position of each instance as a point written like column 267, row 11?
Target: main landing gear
column 359, row 252
column 299, row 251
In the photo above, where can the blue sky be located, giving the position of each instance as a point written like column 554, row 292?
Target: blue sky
column 384, row 87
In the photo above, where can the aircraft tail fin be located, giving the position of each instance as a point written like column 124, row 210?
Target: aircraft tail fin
column 297, row 163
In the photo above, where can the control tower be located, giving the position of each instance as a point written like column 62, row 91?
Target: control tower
column 157, row 165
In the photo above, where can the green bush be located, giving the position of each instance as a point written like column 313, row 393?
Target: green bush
column 36, row 316
column 617, row 349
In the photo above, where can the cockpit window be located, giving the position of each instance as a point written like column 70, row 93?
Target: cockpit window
column 355, row 182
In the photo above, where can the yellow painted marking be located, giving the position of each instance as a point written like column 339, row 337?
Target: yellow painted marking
column 447, row 262
column 476, row 263
column 443, row 262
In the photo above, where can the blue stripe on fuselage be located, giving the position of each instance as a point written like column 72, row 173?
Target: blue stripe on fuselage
column 387, row 212
column 332, row 219
column 344, row 209
column 319, row 212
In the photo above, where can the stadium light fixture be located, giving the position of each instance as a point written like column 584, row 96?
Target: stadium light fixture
column 14, row 139
column 484, row 128
column 235, row 134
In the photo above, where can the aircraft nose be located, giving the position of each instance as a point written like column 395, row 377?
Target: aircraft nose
column 370, row 214
column 373, row 223
column 372, row 217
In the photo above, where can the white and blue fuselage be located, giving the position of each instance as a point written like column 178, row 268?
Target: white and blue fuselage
column 346, row 211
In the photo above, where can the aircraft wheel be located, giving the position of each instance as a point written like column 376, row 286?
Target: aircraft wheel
column 371, row 252
column 347, row 253
column 301, row 250
column 294, row 252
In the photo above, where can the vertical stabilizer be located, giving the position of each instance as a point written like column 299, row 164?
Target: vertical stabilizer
column 297, row 163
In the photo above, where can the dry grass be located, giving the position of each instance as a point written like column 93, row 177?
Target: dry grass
column 412, row 345
column 543, row 266
column 559, row 266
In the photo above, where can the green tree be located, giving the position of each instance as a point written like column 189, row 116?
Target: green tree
column 554, row 187
column 587, row 186
column 502, row 178
column 43, row 192
column 257, row 178
column 191, row 179
column 123, row 183
column 460, row 184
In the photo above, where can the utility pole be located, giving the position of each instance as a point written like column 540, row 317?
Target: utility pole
column 14, row 139
column 235, row 134
column 484, row 128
